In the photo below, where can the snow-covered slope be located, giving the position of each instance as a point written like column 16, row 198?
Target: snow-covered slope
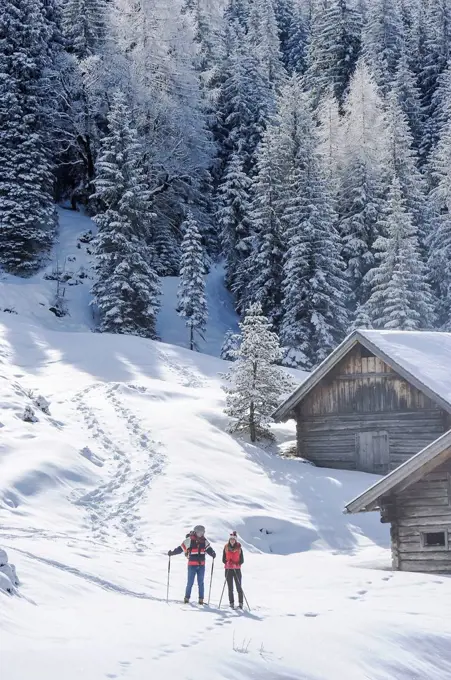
column 135, row 453
column 31, row 299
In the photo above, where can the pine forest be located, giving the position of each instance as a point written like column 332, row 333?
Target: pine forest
column 304, row 143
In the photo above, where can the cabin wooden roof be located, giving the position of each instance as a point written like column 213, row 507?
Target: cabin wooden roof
column 405, row 475
column 422, row 358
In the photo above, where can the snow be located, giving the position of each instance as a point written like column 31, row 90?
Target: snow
column 31, row 298
column 425, row 355
column 221, row 314
column 133, row 454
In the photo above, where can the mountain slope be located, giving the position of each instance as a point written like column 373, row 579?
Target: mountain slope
column 134, row 453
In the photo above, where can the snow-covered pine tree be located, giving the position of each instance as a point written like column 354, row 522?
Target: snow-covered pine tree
column 126, row 290
column 314, row 287
column 263, row 269
column 364, row 163
column 230, row 345
column 400, row 297
column 28, row 219
column 242, row 104
column 233, row 216
column 435, row 52
column 383, row 40
column 237, row 10
column 84, row 26
column 264, row 40
column 255, row 383
column 334, row 48
column 292, row 35
column 330, row 136
column 192, row 303
column 439, row 242
column 403, row 161
column 409, row 98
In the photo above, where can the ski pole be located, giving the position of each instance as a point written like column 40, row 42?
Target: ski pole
column 222, row 594
column 211, row 579
column 169, row 572
column 241, row 586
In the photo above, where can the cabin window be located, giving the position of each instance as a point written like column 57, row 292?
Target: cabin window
column 434, row 540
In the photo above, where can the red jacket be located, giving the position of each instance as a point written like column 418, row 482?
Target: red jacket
column 232, row 556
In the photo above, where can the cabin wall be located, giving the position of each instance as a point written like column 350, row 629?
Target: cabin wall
column 422, row 508
column 364, row 395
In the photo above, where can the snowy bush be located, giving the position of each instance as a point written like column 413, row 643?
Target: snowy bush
column 8, row 576
column 42, row 404
column 29, row 415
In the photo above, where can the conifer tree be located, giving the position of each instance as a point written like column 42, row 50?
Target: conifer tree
column 126, row 290
column 364, row 163
column 230, row 345
column 28, row 220
column 435, row 52
column 233, row 216
column 409, row 98
column 264, row 40
column 314, row 287
column 263, row 269
column 237, row 10
column 331, row 142
column 192, row 303
column 383, row 40
column 333, row 48
column 255, row 383
column 400, row 295
column 84, row 25
column 243, row 104
column 292, row 35
column 439, row 242
column 404, row 163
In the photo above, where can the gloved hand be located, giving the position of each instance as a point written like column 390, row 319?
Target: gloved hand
column 170, row 553
column 213, row 554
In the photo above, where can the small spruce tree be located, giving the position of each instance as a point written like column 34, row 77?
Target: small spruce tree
column 192, row 304
column 255, row 383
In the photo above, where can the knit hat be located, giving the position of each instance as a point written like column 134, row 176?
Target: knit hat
column 233, row 535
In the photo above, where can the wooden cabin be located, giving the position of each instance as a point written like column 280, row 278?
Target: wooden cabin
column 416, row 500
column 378, row 399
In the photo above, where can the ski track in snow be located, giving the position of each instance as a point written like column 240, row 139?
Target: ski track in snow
column 113, row 507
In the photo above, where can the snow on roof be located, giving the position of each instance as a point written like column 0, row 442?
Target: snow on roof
column 420, row 357
column 425, row 355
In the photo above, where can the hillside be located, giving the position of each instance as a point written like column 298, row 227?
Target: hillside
column 134, row 453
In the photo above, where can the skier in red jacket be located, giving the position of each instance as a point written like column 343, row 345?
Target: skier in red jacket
column 233, row 558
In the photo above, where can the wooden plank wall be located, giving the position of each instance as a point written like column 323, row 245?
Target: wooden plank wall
column 364, row 394
column 424, row 506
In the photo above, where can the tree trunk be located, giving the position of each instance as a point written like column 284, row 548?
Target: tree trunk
column 252, row 428
column 252, row 422
column 191, row 338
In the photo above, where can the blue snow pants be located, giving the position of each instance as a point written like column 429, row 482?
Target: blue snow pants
column 194, row 571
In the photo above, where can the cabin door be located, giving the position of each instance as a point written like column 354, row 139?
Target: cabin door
column 372, row 452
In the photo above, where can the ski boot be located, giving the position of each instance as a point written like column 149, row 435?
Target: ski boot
column 185, row 600
column 232, row 605
column 201, row 600
column 240, row 605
